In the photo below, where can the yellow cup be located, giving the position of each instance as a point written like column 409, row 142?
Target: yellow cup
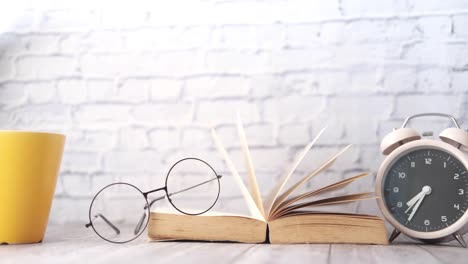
column 29, row 165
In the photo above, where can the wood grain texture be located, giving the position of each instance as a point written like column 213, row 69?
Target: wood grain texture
column 76, row 244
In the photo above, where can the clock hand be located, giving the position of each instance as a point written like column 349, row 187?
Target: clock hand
column 426, row 191
column 413, row 201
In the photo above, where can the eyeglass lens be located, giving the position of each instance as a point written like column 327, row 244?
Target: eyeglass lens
column 192, row 186
column 118, row 212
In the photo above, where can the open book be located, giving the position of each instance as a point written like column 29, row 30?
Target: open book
column 283, row 217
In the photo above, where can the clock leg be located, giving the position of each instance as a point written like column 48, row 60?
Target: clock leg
column 394, row 235
column 460, row 239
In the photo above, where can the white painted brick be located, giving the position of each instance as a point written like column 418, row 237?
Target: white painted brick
column 364, row 56
column 76, row 185
column 95, row 140
column 262, row 85
column 360, row 130
column 71, row 91
column 45, row 67
column 253, row 37
column 104, row 41
column 69, row 20
column 12, row 41
column 115, row 114
column 358, row 31
column 410, row 104
column 237, row 62
column 434, row 5
column 369, row 7
column 165, row 113
column 294, row 134
column 40, row 44
column 134, row 161
column 365, row 81
column 133, row 138
column 20, row 20
column 459, row 81
column 167, row 38
column 293, row 108
column 303, row 35
column 333, row 82
column 162, row 89
column 163, row 139
column 452, row 54
column 179, row 63
column 216, row 87
column 195, row 138
column 435, row 27
column 108, row 66
column 459, row 26
column 39, row 117
column 264, row 159
column 81, row 161
column 224, row 111
column 72, row 43
column 305, row 10
column 6, row 68
column 258, row 135
column 403, row 29
column 303, row 83
column 12, row 94
column 243, row 12
column 134, row 90
column 434, row 80
column 332, row 32
column 400, row 79
column 299, row 59
column 41, row 92
column 113, row 18
column 101, row 90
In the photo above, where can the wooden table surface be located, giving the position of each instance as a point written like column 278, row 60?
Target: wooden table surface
column 76, row 244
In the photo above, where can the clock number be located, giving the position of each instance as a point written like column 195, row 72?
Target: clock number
column 460, row 192
column 401, row 175
column 456, row 206
column 443, row 218
column 395, row 189
column 413, row 164
column 427, row 222
column 399, row 204
column 445, row 164
column 456, row 176
column 428, row 160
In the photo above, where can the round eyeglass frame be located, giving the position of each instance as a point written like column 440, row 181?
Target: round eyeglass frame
column 148, row 204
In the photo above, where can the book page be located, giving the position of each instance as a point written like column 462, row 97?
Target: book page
column 247, row 197
column 328, row 201
column 327, row 164
column 252, row 179
column 279, row 186
column 334, row 186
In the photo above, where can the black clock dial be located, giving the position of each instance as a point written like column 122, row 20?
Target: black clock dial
column 433, row 182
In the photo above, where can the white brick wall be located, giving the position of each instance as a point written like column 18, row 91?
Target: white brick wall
column 135, row 89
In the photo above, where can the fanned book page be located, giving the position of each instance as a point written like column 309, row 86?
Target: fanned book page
column 289, row 217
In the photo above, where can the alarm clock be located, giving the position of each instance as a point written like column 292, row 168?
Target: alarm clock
column 422, row 185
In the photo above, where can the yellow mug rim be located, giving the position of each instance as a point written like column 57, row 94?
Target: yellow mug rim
column 30, row 132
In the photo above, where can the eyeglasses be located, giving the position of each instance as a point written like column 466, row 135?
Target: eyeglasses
column 119, row 212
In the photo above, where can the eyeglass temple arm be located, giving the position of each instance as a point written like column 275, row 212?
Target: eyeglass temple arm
column 106, row 221
column 184, row 190
column 140, row 223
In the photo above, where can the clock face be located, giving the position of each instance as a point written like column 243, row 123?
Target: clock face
column 426, row 190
